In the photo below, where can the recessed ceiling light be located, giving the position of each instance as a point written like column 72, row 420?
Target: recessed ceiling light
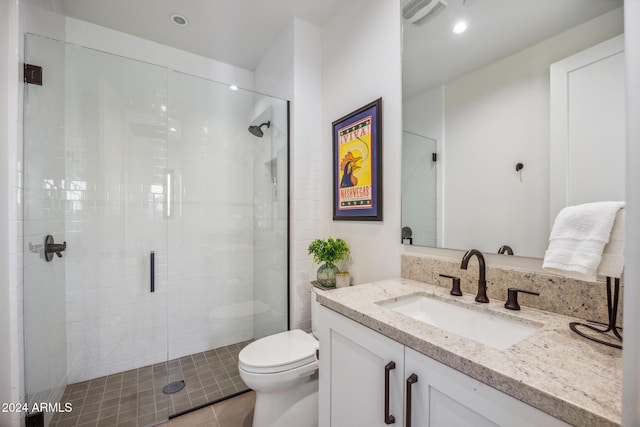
column 233, row 87
column 173, row 129
column 460, row 27
column 179, row 20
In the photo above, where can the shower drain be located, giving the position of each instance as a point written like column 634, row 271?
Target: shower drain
column 173, row 387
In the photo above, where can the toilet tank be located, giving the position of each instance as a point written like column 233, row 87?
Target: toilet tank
column 314, row 311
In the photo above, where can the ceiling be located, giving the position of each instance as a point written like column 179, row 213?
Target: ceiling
column 240, row 32
column 433, row 55
column 237, row 32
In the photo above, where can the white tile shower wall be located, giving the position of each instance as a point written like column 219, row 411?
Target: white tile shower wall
column 44, row 187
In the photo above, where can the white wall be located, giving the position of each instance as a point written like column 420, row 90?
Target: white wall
column 8, row 297
column 423, row 113
column 631, row 354
column 360, row 63
column 486, row 134
column 306, row 142
column 274, row 72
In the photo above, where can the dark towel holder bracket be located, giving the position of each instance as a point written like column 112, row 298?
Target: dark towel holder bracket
column 612, row 308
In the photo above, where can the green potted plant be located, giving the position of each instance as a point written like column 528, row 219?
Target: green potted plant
column 328, row 252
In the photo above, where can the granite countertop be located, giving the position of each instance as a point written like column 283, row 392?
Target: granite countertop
column 554, row 369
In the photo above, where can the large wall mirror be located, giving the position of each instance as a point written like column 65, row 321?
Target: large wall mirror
column 508, row 120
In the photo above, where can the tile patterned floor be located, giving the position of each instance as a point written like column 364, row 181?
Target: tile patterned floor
column 135, row 399
column 234, row 412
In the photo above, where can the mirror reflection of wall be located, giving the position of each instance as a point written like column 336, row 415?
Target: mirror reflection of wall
column 419, row 161
column 484, row 95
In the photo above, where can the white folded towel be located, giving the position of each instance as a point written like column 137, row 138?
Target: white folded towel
column 578, row 237
column 612, row 262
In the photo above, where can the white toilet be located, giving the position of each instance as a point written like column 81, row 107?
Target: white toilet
column 283, row 371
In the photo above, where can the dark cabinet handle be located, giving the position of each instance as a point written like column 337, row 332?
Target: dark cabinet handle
column 413, row 378
column 388, row 418
column 152, row 271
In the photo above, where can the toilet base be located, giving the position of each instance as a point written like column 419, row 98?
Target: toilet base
column 290, row 407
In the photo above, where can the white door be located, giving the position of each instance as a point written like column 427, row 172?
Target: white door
column 588, row 116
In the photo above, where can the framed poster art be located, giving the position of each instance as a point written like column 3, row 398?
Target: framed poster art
column 357, row 164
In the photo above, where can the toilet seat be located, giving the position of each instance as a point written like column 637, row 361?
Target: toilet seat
column 278, row 353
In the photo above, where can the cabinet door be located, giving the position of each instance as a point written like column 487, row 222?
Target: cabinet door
column 444, row 397
column 352, row 374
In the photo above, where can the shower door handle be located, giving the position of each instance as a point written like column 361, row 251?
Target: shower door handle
column 152, row 271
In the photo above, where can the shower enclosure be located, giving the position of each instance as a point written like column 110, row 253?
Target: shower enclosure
column 419, row 190
column 175, row 219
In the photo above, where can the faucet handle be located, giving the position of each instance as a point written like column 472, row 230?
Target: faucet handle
column 512, row 298
column 455, row 289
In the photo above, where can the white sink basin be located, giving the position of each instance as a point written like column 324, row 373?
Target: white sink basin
column 480, row 326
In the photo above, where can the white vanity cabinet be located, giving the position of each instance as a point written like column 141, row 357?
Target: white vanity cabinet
column 355, row 364
column 442, row 396
column 422, row 392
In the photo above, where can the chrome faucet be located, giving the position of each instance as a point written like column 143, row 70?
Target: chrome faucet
column 481, row 296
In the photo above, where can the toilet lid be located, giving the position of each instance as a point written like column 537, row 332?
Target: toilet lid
column 280, row 352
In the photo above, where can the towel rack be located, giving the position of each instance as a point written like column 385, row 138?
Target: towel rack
column 612, row 309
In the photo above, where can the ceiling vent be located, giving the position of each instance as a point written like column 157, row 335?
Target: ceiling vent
column 420, row 11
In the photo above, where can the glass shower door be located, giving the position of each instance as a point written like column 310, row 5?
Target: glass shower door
column 95, row 173
column 419, row 191
column 133, row 166
column 227, row 232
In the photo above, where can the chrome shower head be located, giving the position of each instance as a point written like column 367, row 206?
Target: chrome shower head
column 257, row 130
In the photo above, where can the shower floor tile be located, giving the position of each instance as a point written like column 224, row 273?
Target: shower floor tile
column 135, row 398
